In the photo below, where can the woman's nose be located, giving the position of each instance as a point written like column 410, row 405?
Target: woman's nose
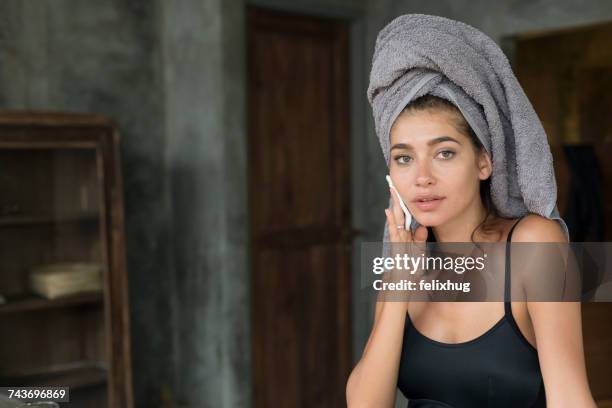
column 424, row 176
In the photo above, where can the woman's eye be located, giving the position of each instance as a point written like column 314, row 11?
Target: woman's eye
column 402, row 159
column 447, row 154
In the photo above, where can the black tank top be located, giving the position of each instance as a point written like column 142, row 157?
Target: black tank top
column 497, row 369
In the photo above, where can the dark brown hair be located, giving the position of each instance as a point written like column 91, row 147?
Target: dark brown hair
column 437, row 104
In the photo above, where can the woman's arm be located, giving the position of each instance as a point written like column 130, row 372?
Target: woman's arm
column 558, row 331
column 373, row 381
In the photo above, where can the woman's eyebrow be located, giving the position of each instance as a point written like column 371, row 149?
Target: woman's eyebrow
column 429, row 143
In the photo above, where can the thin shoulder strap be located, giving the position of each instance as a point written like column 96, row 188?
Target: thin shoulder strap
column 508, row 283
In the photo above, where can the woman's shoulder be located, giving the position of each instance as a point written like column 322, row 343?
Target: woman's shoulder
column 535, row 228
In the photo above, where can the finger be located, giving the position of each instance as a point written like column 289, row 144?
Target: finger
column 393, row 235
column 396, row 234
column 420, row 235
column 397, row 209
column 404, row 234
column 420, row 238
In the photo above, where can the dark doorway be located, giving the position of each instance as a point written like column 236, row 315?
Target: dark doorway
column 567, row 75
column 299, row 201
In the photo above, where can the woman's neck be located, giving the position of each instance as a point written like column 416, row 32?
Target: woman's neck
column 460, row 228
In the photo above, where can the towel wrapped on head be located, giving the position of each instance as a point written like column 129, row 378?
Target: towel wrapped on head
column 417, row 54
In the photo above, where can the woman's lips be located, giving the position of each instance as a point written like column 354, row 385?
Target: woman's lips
column 428, row 205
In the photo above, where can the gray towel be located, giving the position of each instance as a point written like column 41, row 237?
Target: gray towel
column 418, row 54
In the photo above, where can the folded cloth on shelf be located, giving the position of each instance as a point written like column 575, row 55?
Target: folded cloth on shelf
column 417, row 54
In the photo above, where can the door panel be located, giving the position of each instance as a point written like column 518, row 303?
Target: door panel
column 299, row 147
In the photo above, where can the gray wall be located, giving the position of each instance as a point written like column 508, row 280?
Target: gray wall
column 104, row 57
column 171, row 74
column 204, row 87
column 495, row 18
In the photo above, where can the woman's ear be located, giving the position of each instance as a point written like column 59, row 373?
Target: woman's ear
column 485, row 166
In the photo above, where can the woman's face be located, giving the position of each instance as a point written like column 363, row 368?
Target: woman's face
column 429, row 157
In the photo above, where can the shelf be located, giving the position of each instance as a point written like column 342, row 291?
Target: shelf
column 23, row 220
column 76, row 375
column 33, row 302
column 63, row 204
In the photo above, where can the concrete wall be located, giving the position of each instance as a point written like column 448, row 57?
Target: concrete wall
column 204, row 86
column 172, row 76
column 495, row 18
column 104, row 57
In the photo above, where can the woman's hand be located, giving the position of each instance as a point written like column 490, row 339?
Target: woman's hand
column 403, row 242
column 396, row 224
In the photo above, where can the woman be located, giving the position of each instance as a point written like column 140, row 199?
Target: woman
column 532, row 347
column 454, row 122
column 477, row 354
column 455, row 126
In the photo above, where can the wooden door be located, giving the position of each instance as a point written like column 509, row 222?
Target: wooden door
column 299, row 194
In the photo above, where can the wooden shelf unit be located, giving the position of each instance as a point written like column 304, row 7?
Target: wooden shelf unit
column 61, row 202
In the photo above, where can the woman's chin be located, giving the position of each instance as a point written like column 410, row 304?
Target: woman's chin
column 429, row 219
